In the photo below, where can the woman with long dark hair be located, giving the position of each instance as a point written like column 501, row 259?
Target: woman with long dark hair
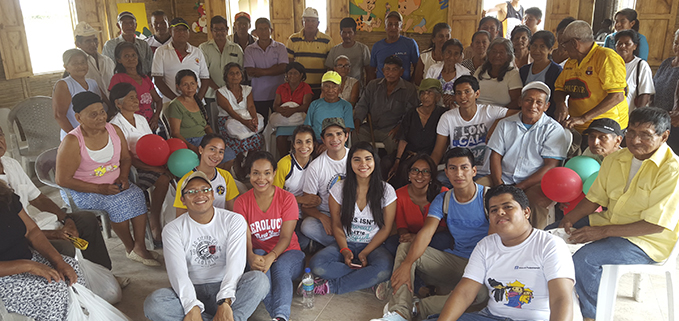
column 362, row 209
column 627, row 19
column 433, row 54
column 499, row 80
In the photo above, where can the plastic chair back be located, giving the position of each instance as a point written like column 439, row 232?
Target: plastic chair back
column 36, row 129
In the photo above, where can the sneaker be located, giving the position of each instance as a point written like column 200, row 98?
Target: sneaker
column 391, row 316
column 323, row 288
column 382, row 290
column 278, row 319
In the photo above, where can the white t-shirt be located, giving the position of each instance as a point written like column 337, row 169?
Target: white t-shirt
column 495, row 92
column 517, row 276
column 645, row 76
column 205, row 253
column 363, row 226
column 132, row 133
column 321, row 176
column 166, row 64
column 241, row 107
column 471, row 134
column 435, row 72
column 633, row 170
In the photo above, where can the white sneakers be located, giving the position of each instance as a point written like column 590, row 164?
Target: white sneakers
column 390, row 316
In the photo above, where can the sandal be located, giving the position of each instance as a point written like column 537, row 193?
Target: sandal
column 148, row 262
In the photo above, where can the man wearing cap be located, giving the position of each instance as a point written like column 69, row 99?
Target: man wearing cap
column 603, row 137
column 241, row 31
column 161, row 30
column 218, row 52
column 177, row 55
column 358, row 53
column 310, row 47
column 329, row 106
column 100, row 67
column 205, row 255
column 127, row 24
column 323, row 172
column 265, row 62
column 387, row 100
column 394, row 44
column 527, row 145
column 594, row 79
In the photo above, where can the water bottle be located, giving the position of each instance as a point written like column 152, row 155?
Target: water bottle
column 308, row 289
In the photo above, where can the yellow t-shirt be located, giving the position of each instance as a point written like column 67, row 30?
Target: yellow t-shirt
column 311, row 54
column 223, row 187
column 601, row 72
column 653, row 196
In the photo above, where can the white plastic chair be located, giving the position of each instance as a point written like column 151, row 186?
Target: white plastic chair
column 608, row 288
column 32, row 129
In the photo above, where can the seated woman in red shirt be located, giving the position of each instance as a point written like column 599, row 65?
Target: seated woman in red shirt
column 273, row 248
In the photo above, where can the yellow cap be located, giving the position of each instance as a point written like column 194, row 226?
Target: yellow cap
column 332, row 76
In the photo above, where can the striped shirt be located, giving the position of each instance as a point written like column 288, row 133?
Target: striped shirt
column 311, row 54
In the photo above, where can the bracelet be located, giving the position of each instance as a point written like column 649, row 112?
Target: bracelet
column 346, row 248
column 68, row 217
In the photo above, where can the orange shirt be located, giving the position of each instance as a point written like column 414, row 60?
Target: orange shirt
column 408, row 214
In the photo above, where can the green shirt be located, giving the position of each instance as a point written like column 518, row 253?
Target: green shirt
column 193, row 123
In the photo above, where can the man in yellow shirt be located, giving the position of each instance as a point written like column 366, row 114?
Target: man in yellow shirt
column 639, row 187
column 593, row 79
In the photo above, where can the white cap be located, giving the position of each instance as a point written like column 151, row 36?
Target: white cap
column 310, row 12
column 539, row 85
column 83, row 29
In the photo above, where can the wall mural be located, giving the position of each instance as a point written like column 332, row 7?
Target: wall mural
column 419, row 16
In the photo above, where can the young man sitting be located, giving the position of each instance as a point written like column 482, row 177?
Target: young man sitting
column 528, row 273
column 205, row 254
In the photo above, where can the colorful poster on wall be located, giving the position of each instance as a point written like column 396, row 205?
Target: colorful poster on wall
column 139, row 12
column 419, row 16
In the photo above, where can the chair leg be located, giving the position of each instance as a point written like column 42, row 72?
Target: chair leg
column 148, row 239
column 608, row 292
column 106, row 226
column 672, row 301
column 637, row 284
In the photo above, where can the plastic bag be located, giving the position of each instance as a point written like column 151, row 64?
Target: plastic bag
column 277, row 120
column 168, row 212
column 84, row 305
column 7, row 316
column 100, row 280
column 239, row 131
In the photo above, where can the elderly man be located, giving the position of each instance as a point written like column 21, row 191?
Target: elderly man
column 593, row 79
column 177, row 55
column 527, row 145
column 358, row 53
column 639, row 188
column 100, row 67
column 218, row 52
column 161, row 30
column 387, row 100
column 603, row 137
column 394, row 44
column 127, row 23
column 310, row 47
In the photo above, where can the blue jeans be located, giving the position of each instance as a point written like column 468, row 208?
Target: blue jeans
column 164, row 304
column 328, row 264
column 579, row 224
column 483, row 315
column 313, row 229
column 588, row 261
column 229, row 154
column 286, row 268
column 440, row 241
column 301, row 238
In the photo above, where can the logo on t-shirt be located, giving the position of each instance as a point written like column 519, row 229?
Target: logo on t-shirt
column 204, row 250
column 577, row 89
column 221, row 189
column 516, row 294
column 145, row 99
column 471, row 137
column 266, row 229
column 335, row 178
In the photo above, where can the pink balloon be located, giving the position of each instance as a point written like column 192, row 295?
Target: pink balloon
column 561, row 184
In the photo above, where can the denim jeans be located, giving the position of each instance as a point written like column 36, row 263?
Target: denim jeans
column 328, row 264
column 440, row 241
column 286, row 268
column 164, row 304
column 579, row 224
column 483, row 315
column 588, row 261
column 301, row 238
column 313, row 229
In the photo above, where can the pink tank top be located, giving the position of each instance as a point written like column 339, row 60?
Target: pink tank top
column 95, row 172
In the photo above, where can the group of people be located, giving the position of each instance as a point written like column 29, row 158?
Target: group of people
column 435, row 243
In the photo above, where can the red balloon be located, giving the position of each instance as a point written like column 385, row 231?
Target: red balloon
column 175, row 144
column 572, row 204
column 561, row 184
column 153, row 150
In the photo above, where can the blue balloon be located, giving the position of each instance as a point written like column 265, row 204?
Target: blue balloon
column 583, row 165
column 182, row 161
column 588, row 182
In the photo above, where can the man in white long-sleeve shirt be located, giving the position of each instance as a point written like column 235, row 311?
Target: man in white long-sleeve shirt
column 205, row 256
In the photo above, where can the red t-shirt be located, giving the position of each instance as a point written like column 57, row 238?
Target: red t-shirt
column 143, row 92
column 408, row 214
column 297, row 96
column 266, row 227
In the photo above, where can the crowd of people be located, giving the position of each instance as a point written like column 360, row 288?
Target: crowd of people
column 496, row 116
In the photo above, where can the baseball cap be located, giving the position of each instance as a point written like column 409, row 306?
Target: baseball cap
column 395, row 14
column 332, row 76
column 242, row 14
column 310, row 12
column 604, row 125
column 195, row 174
column 430, row 83
column 83, row 100
column 83, row 29
column 126, row 14
column 179, row 22
column 539, row 85
column 332, row 121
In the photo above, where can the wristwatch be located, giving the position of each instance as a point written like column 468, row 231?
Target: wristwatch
column 68, row 217
column 222, row 301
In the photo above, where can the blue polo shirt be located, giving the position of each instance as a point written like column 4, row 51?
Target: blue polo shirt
column 321, row 109
column 405, row 48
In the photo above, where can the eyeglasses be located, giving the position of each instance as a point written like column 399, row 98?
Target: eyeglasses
column 343, row 66
column 416, row 171
column 645, row 137
column 193, row 192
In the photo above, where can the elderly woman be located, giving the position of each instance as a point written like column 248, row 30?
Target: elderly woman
column 93, row 164
column 34, row 282
column 500, row 82
column 639, row 75
column 450, row 70
column 480, row 42
column 349, row 89
column 75, row 63
column 434, row 54
column 665, row 79
column 521, row 36
column 542, row 68
column 626, row 19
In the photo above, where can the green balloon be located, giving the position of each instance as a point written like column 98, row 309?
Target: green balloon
column 588, row 182
column 182, row 161
column 584, row 166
